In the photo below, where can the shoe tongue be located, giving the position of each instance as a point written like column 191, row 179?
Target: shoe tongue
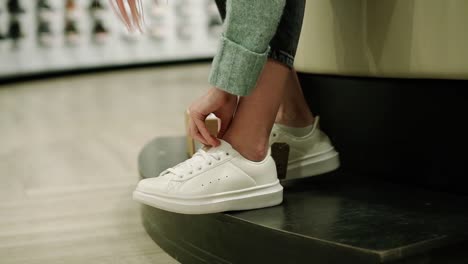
column 224, row 146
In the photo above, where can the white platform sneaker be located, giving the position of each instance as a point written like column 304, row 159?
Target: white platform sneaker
column 310, row 155
column 214, row 180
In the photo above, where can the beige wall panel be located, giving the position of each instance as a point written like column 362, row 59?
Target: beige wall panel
column 386, row 38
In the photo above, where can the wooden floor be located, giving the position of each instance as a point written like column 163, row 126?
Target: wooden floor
column 68, row 150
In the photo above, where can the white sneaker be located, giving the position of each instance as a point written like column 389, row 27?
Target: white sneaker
column 310, row 155
column 214, row 180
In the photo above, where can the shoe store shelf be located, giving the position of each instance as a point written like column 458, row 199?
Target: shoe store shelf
column 54, row 35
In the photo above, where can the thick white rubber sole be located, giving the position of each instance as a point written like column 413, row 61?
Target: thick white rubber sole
column 320, row 164
column 247, row 199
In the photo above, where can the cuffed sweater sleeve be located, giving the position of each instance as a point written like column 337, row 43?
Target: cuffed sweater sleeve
column 243, row 48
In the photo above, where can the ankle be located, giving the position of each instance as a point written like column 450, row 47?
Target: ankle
column 251, row 151
column 294, row 118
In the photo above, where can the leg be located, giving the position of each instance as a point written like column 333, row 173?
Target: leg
column 250, row 129
column 294, row 111
column 278, row 85
column 221, row 170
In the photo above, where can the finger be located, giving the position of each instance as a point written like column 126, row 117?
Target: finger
column 136, row 13
column 224, row 126
column 200, row 139
column 122, row 12
column 225, row 119
column 226, row 114
column 199, row 121
column 195, row 134
column 205, row 133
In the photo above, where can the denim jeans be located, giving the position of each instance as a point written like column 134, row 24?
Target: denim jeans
column 284, row 43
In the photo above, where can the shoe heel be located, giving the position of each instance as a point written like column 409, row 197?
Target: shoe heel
column 262, row 199
column 326, row 163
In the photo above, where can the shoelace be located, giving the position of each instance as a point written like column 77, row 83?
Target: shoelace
column 200, row 158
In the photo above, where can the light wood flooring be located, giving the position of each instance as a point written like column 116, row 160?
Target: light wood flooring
column 68, row 151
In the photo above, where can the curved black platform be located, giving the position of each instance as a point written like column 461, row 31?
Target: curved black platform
column 322, row 220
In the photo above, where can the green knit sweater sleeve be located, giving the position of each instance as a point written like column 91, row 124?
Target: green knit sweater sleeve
column 243, row 49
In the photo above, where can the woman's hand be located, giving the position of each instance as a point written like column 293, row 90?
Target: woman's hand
column 218, row 102
column 130, row 12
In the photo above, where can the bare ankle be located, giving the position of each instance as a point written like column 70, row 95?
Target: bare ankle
column 253, row 152
column 294, row 118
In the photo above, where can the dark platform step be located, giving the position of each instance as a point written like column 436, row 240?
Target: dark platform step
column 322, row 220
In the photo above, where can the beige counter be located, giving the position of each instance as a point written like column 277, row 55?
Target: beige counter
column 385, row 38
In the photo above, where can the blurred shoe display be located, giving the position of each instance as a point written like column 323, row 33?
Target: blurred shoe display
column 44, row 27
column 215, row 25
column 158, row 32
column 2, row 35
column 131, row 37
column 14, row 30
column 184, row 31
column 70, row 5
column 100, row 32
column 14, row 7
column 85, row 33
column 72, row 10
column 44, row 10
column 159, row 8
column 96, row 5
column 182, row 9
column 71, row 31
column 44, row 5
column 99, row 28
column 44, row 33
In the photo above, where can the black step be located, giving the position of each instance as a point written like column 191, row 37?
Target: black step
column 323, row 219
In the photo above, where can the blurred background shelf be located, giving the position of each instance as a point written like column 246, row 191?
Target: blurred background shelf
column 55, row 35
